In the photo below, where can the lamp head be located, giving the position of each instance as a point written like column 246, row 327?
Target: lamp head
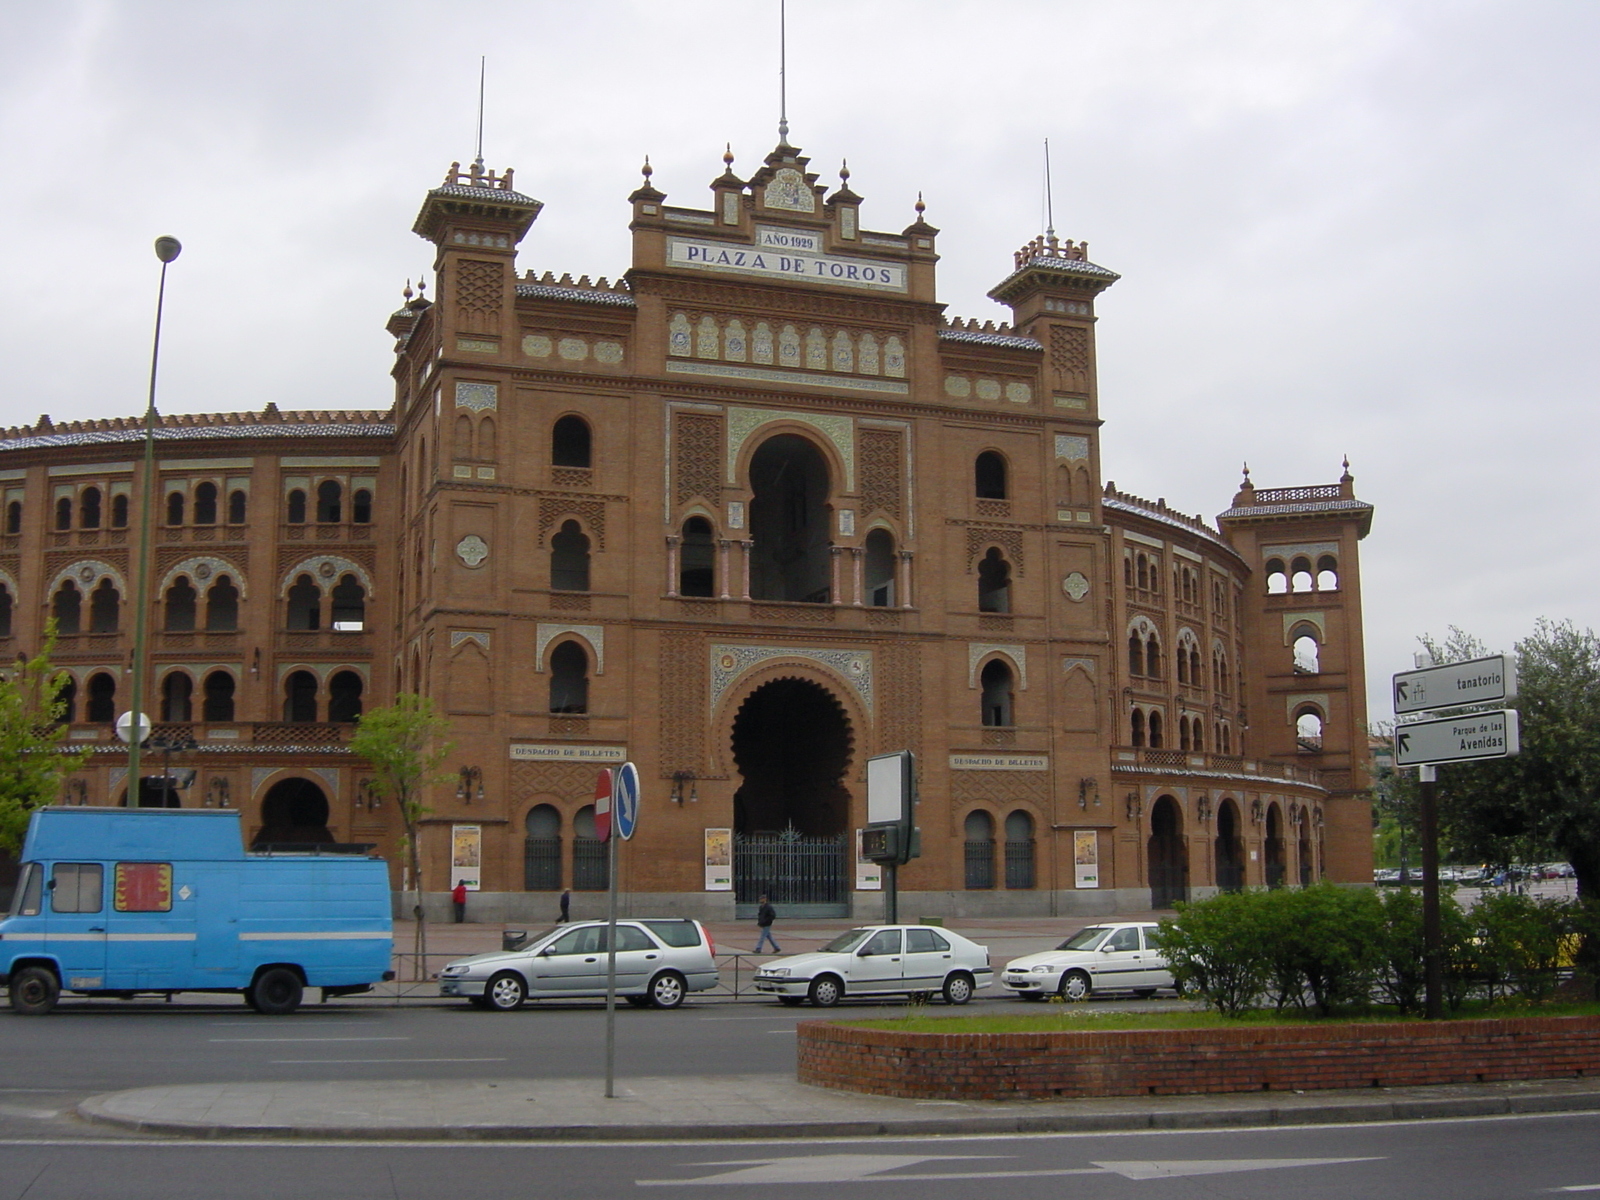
column 168, row 248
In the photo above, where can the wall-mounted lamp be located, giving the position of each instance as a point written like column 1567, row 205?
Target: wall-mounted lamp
column 255, row 664
column 1297, row 817
column 679, row 778
column 1135, row 807
column 1088, row 789
column 77, row 792
column 219, row 793
column 1202, row 809
column 367, row 796
column 1316, row 818
column 1257, row 812
column 470, row 777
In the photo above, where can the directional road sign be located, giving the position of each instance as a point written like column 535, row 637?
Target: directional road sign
column 602, row 804
column 625, row 795
column 1457, row 739
column 1489, row 680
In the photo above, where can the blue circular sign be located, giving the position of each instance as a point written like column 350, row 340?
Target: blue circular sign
column 625, row 800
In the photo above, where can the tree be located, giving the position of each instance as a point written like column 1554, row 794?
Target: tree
column 1544, row 802
column 403, row 745
column 33, row 761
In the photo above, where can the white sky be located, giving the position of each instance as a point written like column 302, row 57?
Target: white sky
column 1360, row 227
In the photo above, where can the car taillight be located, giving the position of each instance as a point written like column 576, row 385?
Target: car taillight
column 710, row 941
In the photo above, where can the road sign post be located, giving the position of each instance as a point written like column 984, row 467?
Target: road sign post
column 622, row 806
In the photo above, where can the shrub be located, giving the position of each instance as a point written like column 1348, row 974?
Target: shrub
column 1520, row 943
column 1219, row 949
column 1401, row 979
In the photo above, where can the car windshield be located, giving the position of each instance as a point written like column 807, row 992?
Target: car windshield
column 1085, row 939
column 847, row 941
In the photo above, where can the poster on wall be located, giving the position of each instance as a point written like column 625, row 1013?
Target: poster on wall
column 1086, row 858
column 466, row 856
column 719, row 860
column 869, row 875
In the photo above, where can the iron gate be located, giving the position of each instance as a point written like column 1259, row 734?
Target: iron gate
column 805, row 876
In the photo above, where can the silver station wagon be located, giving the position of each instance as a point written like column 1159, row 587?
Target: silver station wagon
column 659, row 962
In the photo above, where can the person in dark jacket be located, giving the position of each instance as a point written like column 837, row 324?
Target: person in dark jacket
column 764, row 918
column 566, row 908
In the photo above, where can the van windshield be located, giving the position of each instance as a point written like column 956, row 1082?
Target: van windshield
column 26, row 899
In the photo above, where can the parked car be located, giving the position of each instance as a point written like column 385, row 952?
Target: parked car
column 1101, row 958
column 659, row 962
column 881, row 960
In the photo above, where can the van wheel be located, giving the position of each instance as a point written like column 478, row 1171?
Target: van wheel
column 276, row 992
column 34, row 991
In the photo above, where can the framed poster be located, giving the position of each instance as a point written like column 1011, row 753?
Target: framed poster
column 466, row 856
column 719, row 860
column 869, row 875
column 1086, row 858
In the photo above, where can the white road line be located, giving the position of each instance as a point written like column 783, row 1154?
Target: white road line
column 311, row 1039
column 317, row 1062
column 1579, row 1187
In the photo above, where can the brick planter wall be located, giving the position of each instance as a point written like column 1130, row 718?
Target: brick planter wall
column 1049, row 1065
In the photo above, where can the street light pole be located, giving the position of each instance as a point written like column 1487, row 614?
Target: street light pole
column 167, row 249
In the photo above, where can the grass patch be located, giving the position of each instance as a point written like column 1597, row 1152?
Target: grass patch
column 1079, row 1018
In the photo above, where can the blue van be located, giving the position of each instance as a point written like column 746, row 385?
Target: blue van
column 114, row 901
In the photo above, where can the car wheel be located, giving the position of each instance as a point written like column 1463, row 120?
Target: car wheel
column 506, row 992
column 667, row 990
column 791, row 1001
column 957, row 988
column 825, row 991
column 276, row 992
column 1075, row 985
column 34, row 991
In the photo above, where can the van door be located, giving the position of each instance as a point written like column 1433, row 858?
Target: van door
column 214, row 904
column 75, row 929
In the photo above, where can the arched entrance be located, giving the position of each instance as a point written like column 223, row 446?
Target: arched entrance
column 1169, row 866
column 1229, row 850
column 792, row 746
column 1308, row 869
column 789, row 525
column 294, row 813
column 1274, row 850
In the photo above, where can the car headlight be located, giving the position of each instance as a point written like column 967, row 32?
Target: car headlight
column 454, row 971
column 1043, row 969
column 774, row 971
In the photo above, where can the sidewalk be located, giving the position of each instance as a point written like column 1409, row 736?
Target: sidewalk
column 768, row 1107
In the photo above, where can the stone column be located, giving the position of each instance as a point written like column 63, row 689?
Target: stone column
column 856, row 556
column 835, row 553
column 745, row 563
column 903, row 557
column 722, row 564
column 672, row 563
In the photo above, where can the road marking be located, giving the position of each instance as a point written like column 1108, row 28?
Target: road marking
column 301, row 1062
column 1579, row 1187
column 312, row 1039
column 854, row 1168
column 38, row 1114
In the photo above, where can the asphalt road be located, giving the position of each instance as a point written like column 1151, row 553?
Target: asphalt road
column 1481, row 1159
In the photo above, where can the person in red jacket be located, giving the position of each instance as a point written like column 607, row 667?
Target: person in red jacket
column 459, row 896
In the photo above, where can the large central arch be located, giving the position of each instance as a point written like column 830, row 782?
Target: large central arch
column 294, row 812
column 789, row 518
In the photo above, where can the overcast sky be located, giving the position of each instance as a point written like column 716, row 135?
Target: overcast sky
column 1363, row 228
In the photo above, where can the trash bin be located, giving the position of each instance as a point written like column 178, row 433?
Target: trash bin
column 512, row 939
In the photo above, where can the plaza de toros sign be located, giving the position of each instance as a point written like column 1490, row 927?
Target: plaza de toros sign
column 790, row 255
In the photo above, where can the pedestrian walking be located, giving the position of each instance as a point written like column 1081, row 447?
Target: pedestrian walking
column 764, row 918
column 459, row 898
column 566, row 908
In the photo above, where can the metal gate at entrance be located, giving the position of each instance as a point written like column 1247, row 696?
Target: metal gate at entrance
column 806, row 876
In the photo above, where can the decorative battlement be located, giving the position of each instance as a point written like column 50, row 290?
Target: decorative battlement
column 477, row 176
column 1048, row 247
column 973, row 325
column 548, row 279
column 1267, row 504
column 168, row 425
column 1158, row 508
column 1293, row 495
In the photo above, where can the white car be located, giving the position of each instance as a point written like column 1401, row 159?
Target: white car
column 1101, row 958
column 881, row 960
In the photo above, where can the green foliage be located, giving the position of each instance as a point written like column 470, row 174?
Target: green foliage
column 1400, row 979
column 1328, row 944
column 1219, row 949
column 33, row 762
column 403, row 744
column 1519, row 942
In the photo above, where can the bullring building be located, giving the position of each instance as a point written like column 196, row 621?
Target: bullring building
column 747, row 515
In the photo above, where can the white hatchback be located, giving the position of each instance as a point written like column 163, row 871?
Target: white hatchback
column 1101, row 958
column 881, row 960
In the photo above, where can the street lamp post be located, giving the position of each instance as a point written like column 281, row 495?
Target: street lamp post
column 167, row 249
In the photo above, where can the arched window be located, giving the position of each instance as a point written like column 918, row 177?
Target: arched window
column 349, row 605
column 217, row 702
column 237, row 505
column 1136, row 727
column 1155, row 576
column 361, row 507
column 989, row 476
column 300, row 697
column 305, row 604
column 486, row 439
column 295, row 512
column 105, row 608
column 1127, row 570
column 67, row 608
column 878, row 569
column 89, row 509
column 344, row 697
column 101, row 708
column 1144, row 572
column 790, row 522
column 119, row 512
column 1308, row 730
column 1199, row 739
column 67, row 697
column 1327, row 574
column 176, row 502
column 1194, row 666
column 1183, row 733
column 14, row 517
column 1300, row 575
column 205, row 504
column 1155, row 731
column 1183, row 665
column 1306, row 655
column 570, row 443
column 1152, row 657
column 64, row 513
column 1277, row 577
column 589, row 872
column 979, row 833
column 222, row 606
column 330, row 498
column 464, row 436
column 177, row 697
column 994, row 583
column 697, row 559
column 569, row 679
column 541, row 852
column 569, row 559
column 996, row 682
column 181, row 602
column 1019, row 850
column 6, row 603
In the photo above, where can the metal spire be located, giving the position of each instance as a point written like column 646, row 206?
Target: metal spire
column 482, row 70
column 1049, row 200
column 783, row 83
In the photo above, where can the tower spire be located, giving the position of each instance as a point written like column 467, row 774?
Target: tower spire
column 483, row 60
column 783, row 82
column 1049, row 200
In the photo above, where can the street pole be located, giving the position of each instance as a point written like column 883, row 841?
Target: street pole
column 167, row 249
column 611, row 959
column 1432, row 934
